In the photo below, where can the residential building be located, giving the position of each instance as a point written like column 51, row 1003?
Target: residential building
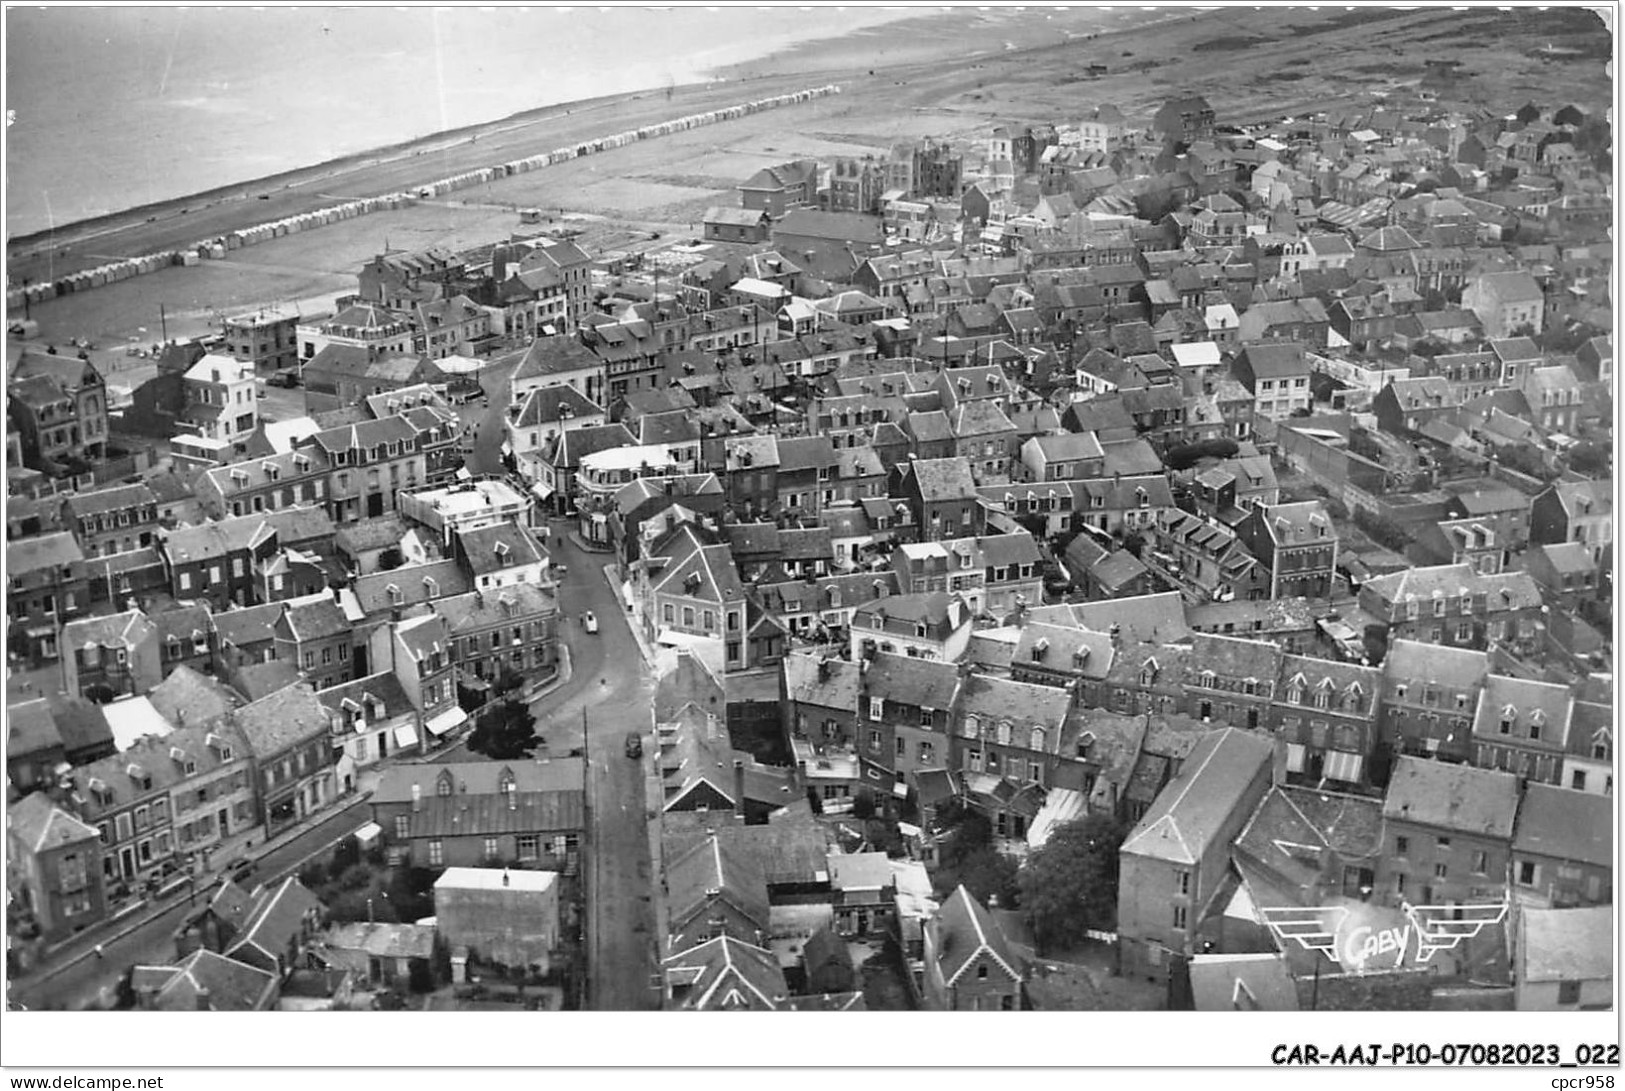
column 934, row 626
column 112, row 520
column 1297, row 546
column 1326, row 712
column 1175, row 862
column 1508, row 304
column 267, row 339
column 314, row 635
column 58, row 404
column 1455, row 606
column 526, row 815
column 57, row 863
column 941, row 495
column 905, row 706
column 1575, row 511
column 499, row 917
column 969, row 962
column 1564, row 959
column 221, row 400
column 47, row 585
column 288, row 735
column 417, row 650
column 1563, row 849
column 111, row 656
column 373, row 462
column 447, row 512
column 127, row 798
column 1277, row 375
column 1522, row 726
column 512, row 628
column 371, row 718
column 1430, row 698
column 214, row 799
column 1447, row 834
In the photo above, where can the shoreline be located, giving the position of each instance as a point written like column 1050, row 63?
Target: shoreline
column 854, row 50
column 79, row 231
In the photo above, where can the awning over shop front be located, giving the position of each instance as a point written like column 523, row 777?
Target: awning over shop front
column 447, row 721
column 406, row 737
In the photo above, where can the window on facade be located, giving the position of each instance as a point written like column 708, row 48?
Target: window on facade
column 1402, row 845
column 491, row 851
column 436, row 853
column 1441, row 871
column 1184, row 882
column 1526, row 873
column 1180, row 913
column 1568, row 992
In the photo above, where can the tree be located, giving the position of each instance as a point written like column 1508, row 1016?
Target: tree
column 390, row 558
column 1069, row 886
column 507, row 681
column 1187, row 455
column 1591, row 458
column 505, row 733
column 969, row 858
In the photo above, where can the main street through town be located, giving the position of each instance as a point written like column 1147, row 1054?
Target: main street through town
column 608, row 694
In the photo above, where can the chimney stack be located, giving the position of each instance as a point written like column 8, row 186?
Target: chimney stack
column 739, row 788
column 202, row 1001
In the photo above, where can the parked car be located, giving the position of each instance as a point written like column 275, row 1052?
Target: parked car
column 634, row 745
column 589, row 621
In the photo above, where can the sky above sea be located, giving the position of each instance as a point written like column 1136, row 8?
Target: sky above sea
column 111, row 108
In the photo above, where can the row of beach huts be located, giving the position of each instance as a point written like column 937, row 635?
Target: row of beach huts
column 218, row 247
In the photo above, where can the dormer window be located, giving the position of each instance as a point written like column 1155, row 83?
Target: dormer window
column 394, row 594
column 1509, row 716
column 430, row 587
column 443, row 785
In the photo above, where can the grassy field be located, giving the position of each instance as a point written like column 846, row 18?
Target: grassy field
column 1250, row 64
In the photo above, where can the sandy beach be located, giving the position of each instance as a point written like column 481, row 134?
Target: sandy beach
column 921, row 85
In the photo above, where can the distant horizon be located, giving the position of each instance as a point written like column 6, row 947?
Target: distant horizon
column 109, row 87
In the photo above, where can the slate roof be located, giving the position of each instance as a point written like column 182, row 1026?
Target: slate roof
column 964, row 929
column 229, row 985
column 1566, row 825
column 1453, row 797
column 45, row 551
column 918, row 682
column 39, row 824
column 1566, row 944
column 286, row 718
column 711, row 870
column 188, row 698
column 838, row 689
column 1189, row 812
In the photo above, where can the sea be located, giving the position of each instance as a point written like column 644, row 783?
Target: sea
column 110, row 108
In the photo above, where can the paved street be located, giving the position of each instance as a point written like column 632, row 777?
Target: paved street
column 81, row 983
column 610, row 682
